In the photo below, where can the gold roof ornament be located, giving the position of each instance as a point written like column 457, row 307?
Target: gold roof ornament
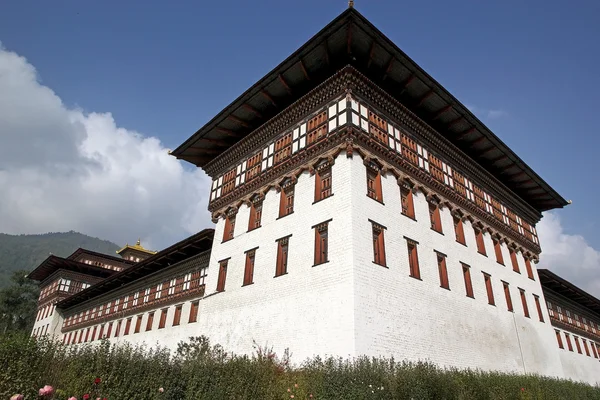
column 137, row 247
column 351, row 4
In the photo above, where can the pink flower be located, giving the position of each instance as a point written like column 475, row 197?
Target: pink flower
column 72, row 398
column 295, row 385
column 291, row 396
column 17, row 397
column 289, row 390
column 46, row 391
column 522, row 389
column 161, row 390
column 86, row 397
column 97, row 381
column 310, row 395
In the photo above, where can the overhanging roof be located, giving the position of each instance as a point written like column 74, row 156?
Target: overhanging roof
column 193, row 245
column 351, row 39
column 119, row 260
column 565, row 288
column 54, row 263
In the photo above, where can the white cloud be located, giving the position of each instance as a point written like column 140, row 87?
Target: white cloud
column 487, row 113
column 66, row 169
column 568, row 256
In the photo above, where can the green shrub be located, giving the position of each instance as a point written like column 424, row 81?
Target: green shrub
column 199, row 370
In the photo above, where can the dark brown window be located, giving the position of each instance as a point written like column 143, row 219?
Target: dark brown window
column 283, row 148
column 585, row 347
column 529, row 269
column 592, row 345
column 479, row 240
column 321, row 243
column 149, row 321
column 459, row 230
column 194, row 311
column 229, row 228
column 509, row 304
column 488, row 288
column 559, row 339
column 163, row 318
column 255, row 216
column 282, row 256
column 222, row 276
column 569, row 345
column 413, row 259
column 539, row 307
column 118, row 330
column 443, row 270
column 87, row 334
column 434, row 217
column 93, row 334
column 286, row 202
column 177, row 316
column 127, row 327
column 323, row 184
column 406, row 198
column 109, row 330
column 577, row 344
column 374, row 185
column 498, row 250
column 378, row 244
column 513, row 259
column 253, row 166
column 249, row 267
column 524, row 302
column 138, row 324
column 467, row 275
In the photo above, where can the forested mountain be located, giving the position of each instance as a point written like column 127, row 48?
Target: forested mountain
column 25, row 252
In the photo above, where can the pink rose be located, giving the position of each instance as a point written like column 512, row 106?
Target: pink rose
column 161, row 390
column 46, row 391
column 72, row 398
column 17, row 397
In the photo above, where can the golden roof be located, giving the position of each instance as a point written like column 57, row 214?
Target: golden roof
column 137, row 247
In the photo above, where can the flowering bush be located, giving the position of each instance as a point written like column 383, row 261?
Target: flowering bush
column 199, row 370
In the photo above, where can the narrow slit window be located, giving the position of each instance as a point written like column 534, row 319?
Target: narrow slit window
column 468, row 284
column 459, row 230
column 514, row 261
column 524, row 302
column 435, row 218
column 443, row 271
column 592, row 345
column 138, row 324
column 282, row 256
column 127, row 327
column 480, row 242
column 498, row 250
column 488, row 287
column 177, row 315
column 222, row 276
column 193, row 311
column 374, row 184
column 406, row 198
column 529, row 269
column 559, row 339
column 249, row 267
column 163, row 318
column 321, row 243
column 413, row 259
column 150, row 321
column 577, row 344
column 229, row 228
column 586, row 348
column 539, row 308
column 378, row 244
column 255, row 216
column 323, row 183
column 509, row 304
column 286, row 202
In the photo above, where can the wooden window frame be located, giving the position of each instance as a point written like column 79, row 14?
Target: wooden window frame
column 163, row 318
column 323, row 182
column 459, row 230
column 529, row 268
column 286, row 200
column 509, row 304
column 536, row 299
column 576, row 338
column 414, row 270
column 138, row 324
column 435, row 218
column 374, row 189
column 568, row 339
column 479, row 239
column 177, row 315
column 255, row 220
column 514, row 261
column 229, row 230
column 468, row 282
column 281, row 263
column 118, row 328
column 127, row 326
column 585, row 347
column 194, row 307
column 407, row 201
column 222, row 275
column 593, row 345
column 487, row 278
column 378, row 240
column 498, row 250
column 524, row 303
column 322, row 242
column 559, row 339
column 443, row 270
column 150, row 321
column 249, row 267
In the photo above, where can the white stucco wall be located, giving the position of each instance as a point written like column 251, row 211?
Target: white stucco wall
column 575, row 366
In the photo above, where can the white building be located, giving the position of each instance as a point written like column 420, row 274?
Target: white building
column 360, row 209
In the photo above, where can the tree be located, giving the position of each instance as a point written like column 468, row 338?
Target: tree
column 18, row 304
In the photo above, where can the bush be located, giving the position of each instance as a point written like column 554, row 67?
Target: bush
column 199, row 370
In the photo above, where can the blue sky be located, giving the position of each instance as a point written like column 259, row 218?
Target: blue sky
column 527, row 68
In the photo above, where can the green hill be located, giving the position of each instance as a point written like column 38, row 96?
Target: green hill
column 25, row 252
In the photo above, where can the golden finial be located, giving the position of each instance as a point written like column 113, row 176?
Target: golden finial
column 351, row 4
column 138, row 243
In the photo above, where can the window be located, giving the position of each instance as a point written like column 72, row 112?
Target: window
column 321, row 243
column 488, row 288
column 468, row 285
column 146, row 296
column 255, row 215
column 136, row 296
column 87, row 334
column 443, row 270
column 149, row 321
column 498, row 250
column 109, row 330
column 459, row 231
column 539, row 307
column 374, row 184
column 479, row 240
column 172, row 284
column 163, row 318
column 282, row 256
column 118, row 328
column 559, row 339
column 507, row 296
column 529, row 269
column 286, row 202
column 585, row 347
column 186, row 281
column 158, row 293
column 193, row 312
column 514, row 261
column 592, row 345
column 434, row 217
column 101, row 333
column 249, row 268
column 378, row 244
column 138, row 324
column 413, row 259
column 177, row 316
column 222, row 275
column 524, row 302
column 406, row 198
column 577, row 344
column 229, row 227
column 323, row 183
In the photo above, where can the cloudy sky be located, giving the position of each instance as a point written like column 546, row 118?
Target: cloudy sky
column 92, row 97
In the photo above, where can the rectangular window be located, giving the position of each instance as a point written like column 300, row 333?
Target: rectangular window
column 87, row 334
column 585, row 347
column 186, row 281
column 443, row 270
column 146, row 295
column 282, row 256
column 158, row 292
column 374, row 185
column 514, row 261
column 109, row 330
column 222, row 275
column 488, row 288
column 118, row 330
column 592, row 345
column 498, row 250
column 136, row 296
column 459, row 231
column 172, row 284
column 321, row 243
column 577, row 344
column 435, row 218
column 539, row 307
column 413, row 259
column 163, row 318
column 507, row 296
column 177, row 315
column 93, row 334
column 378, row 244
column 524, row 302
column 479, row 240
column 529, row 269
column 101, row 334
column 468, row 285
column 286, row 202
column 229, row 227
column 249, row 267
column 193, row 311
column 255, row 216
column 559, row 339
column 323, row 184
column 149, row 321
column 138, row 324
column 406, row 198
